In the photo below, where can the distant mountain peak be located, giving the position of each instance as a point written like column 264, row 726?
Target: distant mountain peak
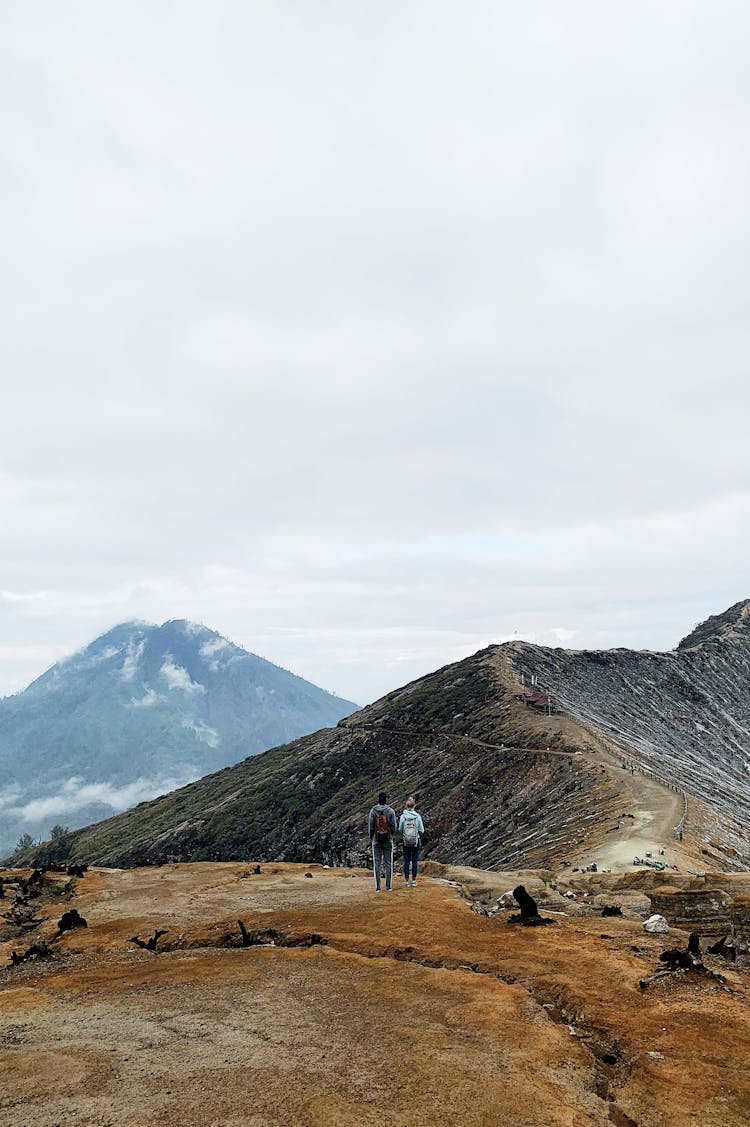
column 719, row 627
column 185, row 626
column 142, row 709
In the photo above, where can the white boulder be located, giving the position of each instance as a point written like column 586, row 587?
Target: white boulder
column 656, row 925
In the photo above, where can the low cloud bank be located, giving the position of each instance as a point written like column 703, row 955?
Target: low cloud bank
column 75, row 794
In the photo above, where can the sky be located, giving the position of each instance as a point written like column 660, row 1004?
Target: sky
column 369, row 335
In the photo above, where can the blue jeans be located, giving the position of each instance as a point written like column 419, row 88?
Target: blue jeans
column 411, row 860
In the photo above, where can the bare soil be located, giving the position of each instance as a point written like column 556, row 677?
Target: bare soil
column 412, row 1005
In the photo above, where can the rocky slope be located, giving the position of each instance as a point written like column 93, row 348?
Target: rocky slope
column 139, row 711
column 684, row 714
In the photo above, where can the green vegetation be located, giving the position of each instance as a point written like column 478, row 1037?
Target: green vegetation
column 140, row 711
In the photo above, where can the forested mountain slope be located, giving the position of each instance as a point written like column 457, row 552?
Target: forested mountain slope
column 141, row 710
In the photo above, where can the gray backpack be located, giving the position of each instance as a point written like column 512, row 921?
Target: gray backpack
column 411, row 832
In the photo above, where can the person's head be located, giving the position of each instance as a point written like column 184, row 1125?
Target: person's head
column 382, row 798
column 410, row 803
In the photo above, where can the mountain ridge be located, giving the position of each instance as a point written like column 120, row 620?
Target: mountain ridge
column 440, row 737
column 503, row 780
column 718, row 626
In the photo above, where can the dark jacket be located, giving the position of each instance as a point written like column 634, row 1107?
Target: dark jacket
column 390, row 814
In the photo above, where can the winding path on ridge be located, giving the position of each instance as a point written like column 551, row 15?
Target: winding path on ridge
column 656, row 809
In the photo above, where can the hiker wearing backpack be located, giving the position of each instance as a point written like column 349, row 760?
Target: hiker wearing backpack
column 382, row 827
column 411, row 828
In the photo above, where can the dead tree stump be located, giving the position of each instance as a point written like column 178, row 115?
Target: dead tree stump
column 529, row 914
column 694, row 944
column 680, row 961
column 39, row 950
column 70, row 920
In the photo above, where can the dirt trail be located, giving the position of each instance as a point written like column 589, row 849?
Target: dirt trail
column 655, row 811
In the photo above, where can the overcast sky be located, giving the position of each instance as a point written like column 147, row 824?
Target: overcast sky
column 369, row 334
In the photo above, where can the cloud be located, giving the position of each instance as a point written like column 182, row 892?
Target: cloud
column 9, row 795
column 212, row 648
column 148, row 700
column 92, row 659
column 74, row 795
column 208, row 649
column 432, row 332
column 133, row 654
column 178, row 678
column 202, row 732
column 193, row 628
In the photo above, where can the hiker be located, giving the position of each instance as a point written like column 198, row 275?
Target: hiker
column 382, row 827
column 411, row 828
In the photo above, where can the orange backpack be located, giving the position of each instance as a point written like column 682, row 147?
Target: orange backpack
column 382, row 829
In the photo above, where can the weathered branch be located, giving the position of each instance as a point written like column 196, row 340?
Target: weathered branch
column 149, row 944
column 723, row 948
column 39, row 950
